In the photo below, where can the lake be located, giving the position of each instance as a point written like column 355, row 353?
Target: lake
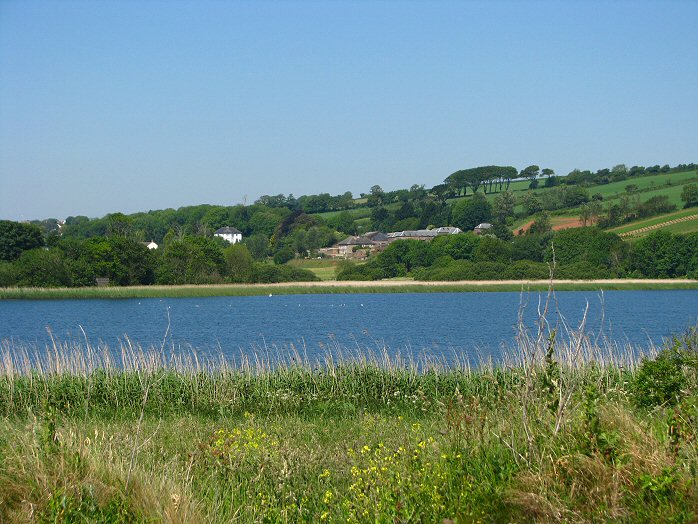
column 470, row 324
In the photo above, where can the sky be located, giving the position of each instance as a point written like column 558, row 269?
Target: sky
column 133, row 105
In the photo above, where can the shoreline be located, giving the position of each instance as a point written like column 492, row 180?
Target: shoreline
column 334, row 286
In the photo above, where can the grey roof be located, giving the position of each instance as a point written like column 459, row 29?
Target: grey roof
column 484, row 225
column 424, row 233
column 228, row 231
column 357, row 241
column 448, row 230
column 376, row 236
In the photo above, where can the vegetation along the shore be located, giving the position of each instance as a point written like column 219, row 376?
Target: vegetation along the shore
column 339, row 287
column 564, row 431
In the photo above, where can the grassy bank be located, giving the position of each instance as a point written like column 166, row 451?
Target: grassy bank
column 566, row 431
column 330, row 287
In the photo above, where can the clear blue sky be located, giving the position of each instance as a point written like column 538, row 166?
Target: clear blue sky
column 134, row 105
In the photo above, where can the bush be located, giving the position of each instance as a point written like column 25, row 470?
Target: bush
column 268, row 274
column 526, row 269
column 583, row 271
column 671, row 376
column 283, row 255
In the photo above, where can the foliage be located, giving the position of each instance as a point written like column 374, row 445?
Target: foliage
column 16, row 237
column 468, row 213
column 238, row 263
column 42, row 268
column 689, row 195
column 587, row 244
column 663, row 255
column 283, row 255
column 671, row 375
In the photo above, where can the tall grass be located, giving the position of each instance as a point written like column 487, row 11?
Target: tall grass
column 329, row 287
column 551, row 433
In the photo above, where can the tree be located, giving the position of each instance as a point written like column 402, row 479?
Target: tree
column 377, row 196
column 689, row 195
column 16, row 237
column 541, row 225
column 469, row 213
column 491, row 249
column 531, row 173
column 457, row 182
column 258, row 246
column 503, row 206
column 283, row 255
column 42, row 268
column 238, row 263
column 587, row 244
column 589, row 212
column 657, row 255
column 192, row 260
column 477, row 176
column 118, row 225
column 531, row 204
column 458, row 247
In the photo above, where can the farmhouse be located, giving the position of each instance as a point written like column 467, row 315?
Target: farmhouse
column 230, row 234
column 150, row 245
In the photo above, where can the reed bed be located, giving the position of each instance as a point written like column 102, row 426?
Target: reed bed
column 329, row 287
column 554, row 432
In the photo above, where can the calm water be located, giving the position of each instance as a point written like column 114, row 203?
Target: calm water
column 432, row 323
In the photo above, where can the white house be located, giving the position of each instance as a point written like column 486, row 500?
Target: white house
column 150, row 245
column 230, row 234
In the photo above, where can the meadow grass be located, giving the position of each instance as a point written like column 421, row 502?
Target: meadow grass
column 668, row 183
column 324, row 269
column 551, row 434
column 683, row 228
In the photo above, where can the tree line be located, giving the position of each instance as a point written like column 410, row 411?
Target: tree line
column 26, row 259
column 578, row 253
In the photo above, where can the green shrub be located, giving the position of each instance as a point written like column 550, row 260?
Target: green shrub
column 671, row 376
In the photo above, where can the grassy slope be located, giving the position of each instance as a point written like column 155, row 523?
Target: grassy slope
column 645, row 222
column 690, row 226
column 368, row 441
column 669, row 184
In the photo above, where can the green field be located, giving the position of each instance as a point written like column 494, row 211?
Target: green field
column 669, row 182
column 566, row 431
column 324, row 269
column 647, row 222
column 683, row 228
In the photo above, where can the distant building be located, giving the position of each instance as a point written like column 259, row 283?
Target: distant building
column 150, row 245
column 424, row 234
column 356, row 246
column 230, row 234
column 483, row 228
column 375, row 241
